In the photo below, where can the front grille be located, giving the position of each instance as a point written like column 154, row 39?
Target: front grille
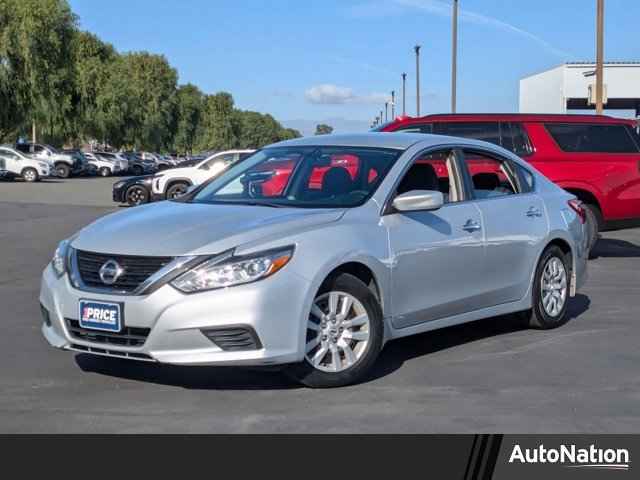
column 127, row 337
column 234, row 339
column 137, row 269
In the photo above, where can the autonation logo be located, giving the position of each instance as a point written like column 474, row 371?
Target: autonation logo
column 573, row 457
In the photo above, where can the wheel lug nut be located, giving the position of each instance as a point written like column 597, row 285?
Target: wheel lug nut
column 324, row 337
column 341, row 329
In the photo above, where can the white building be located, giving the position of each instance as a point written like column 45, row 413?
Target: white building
column 572, row 87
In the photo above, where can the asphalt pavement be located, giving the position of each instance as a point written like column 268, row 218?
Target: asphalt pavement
column 489, row 376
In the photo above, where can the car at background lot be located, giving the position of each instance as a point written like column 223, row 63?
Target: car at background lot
column 64, row 165
column 160, row 162
column 175, row 182
column 133, row 191
column 14, row 164
column 78, row 155
column 117, row 159
column 104, row 166
column 410, row 235
column 595, row 157
column 139, row 166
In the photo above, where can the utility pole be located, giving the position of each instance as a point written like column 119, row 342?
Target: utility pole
column 454, row 56
column 386, row 111
column 33, row 131
column 381, row 117
column 393, row 104
column 600, row 57
column 417, row 50
column 404, row 94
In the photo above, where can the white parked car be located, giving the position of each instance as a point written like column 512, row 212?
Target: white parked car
column 175, row 182
column 15, row 164
column 105, row 167
column 117, row 158
column 64, row 164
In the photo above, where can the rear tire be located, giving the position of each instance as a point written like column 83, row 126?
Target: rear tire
column 594, row 223
column 63, row 170
column 176, row 190
column 353, row 348
column 30, row 175
column 551, row 287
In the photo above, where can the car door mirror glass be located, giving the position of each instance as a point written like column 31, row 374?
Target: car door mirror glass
column 415, row 200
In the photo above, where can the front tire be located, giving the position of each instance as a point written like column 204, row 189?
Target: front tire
column 63, row 170
column 104, row 172
column 136, row 195
column 30, row 175
column 344, row 334
column 551, row 287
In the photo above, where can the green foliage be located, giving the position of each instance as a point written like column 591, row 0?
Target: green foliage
column 76, row 87
column 323, row 129
column 189, row 107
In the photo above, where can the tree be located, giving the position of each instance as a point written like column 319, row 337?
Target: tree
column 323, row 129
column 257, row 130
column 218, row 127
column 93, row 60
column 189, row 106
column 137, row 105
column 35, row 53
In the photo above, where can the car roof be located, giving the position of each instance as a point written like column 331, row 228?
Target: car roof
column 399, row 141
column 511, row 117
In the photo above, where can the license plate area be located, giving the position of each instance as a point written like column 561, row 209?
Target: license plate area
column 103, row 316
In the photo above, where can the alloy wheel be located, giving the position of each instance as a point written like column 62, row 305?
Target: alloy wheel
column 554, row 286
column 136, row 196
column 337, row 332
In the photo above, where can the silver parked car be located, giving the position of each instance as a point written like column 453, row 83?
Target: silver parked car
column 314, row 252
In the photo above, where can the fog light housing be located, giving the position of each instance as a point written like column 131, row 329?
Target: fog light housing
column 45, row 316
column 235, row 338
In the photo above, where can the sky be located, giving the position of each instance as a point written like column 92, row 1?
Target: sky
column 307, row 61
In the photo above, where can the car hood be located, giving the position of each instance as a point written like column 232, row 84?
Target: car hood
column 175, row 228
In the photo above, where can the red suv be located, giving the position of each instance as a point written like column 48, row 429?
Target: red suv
column 597, row 158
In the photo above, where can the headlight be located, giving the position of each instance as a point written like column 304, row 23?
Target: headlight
column 119, row 184
column 59, row 260
column 216, row 273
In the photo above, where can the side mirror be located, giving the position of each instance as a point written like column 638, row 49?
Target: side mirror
column 418, row 200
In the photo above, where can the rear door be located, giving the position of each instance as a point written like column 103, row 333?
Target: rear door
column 437, row 256
column 514, row 220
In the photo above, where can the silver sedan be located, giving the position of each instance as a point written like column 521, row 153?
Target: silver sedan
column 314, row 252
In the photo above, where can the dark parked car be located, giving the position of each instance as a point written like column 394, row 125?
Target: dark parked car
column 133, row 191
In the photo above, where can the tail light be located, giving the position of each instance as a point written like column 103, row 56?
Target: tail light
column 576, row 206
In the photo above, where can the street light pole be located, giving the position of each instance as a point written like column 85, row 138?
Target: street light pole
column 600, row 57
column 404, row 94
column 454, row 56
column 393, row 104
column 417, row 50
column 386, row 111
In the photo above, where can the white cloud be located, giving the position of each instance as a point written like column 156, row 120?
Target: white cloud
column 329, row 94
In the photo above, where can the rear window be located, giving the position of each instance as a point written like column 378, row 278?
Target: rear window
column 585, row 138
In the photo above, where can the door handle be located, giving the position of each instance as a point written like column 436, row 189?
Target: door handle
column 471, row 226
column 533, row 212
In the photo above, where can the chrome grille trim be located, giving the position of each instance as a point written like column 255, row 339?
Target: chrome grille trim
column 171, row 270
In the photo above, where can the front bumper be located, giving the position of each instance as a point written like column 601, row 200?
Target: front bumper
column 273, row 308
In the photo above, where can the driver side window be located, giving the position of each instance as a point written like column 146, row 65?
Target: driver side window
column 432, row 171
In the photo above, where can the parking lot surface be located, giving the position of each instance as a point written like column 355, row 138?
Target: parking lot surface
column 488, row 376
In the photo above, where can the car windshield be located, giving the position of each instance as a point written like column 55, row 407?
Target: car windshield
column 306, row 177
